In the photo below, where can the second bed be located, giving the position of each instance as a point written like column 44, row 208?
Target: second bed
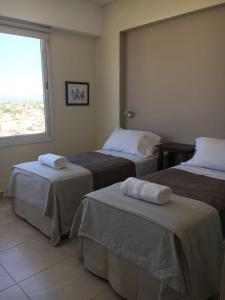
column 159, row 252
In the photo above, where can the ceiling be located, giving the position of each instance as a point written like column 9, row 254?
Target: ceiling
column 100, row 2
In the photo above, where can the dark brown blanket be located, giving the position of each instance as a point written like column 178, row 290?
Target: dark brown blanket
column 198, row 187
column 105, row 169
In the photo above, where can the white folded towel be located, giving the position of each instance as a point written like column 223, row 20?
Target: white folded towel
column 145, row 190
column 54, row 161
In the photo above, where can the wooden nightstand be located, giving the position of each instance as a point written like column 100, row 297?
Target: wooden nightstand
column 174, row 150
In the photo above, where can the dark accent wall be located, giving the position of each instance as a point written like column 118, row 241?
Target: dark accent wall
column 173, row 76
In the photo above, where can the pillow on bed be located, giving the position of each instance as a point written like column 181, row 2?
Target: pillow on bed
column 136, row 142
column 210, row 154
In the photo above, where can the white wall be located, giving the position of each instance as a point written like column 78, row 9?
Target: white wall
column 74, row 15
column 118, row 16
column 73, row 58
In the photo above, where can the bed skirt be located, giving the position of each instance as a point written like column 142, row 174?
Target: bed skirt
column 128, row 280
column 33, row 215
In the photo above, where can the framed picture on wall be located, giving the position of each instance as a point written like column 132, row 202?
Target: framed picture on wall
column 77, row 93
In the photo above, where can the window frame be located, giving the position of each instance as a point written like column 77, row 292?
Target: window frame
column 48, row 135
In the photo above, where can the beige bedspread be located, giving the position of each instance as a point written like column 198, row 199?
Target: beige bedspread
column 179, row 243
column 58, row 194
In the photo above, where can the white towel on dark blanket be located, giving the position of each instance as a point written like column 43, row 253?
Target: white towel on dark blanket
column 145, row 190
column 53, row 161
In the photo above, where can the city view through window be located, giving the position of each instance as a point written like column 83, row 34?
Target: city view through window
column 22, row 109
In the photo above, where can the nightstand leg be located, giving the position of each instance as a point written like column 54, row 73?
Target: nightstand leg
column 185, row 156
column 171, row 159
column 160, row 160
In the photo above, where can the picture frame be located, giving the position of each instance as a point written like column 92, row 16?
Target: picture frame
column 77, row 93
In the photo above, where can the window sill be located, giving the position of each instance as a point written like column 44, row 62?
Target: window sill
column 25, row 139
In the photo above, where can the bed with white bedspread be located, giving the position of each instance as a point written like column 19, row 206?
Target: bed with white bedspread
column 48, row 192
column 158, row 252
column 49, row 198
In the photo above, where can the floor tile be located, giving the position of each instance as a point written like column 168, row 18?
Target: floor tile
column 16, row 233
column 4, row 202
column 107, row 294
column 5, row 280
column 7, row 215
column 66, row 280
column 69, row 245
column 13, row 293
column 32, row 257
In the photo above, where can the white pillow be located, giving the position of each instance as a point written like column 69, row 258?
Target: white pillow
column 210, row 154
column 136, row 142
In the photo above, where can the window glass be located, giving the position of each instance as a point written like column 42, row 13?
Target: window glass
column 22, row 86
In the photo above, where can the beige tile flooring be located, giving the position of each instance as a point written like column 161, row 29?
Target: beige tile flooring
column 30, row 268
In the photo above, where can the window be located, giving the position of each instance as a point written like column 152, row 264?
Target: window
column 25, row 114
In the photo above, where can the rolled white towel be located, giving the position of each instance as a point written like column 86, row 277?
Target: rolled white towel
column 145, row 190
column 54, row 161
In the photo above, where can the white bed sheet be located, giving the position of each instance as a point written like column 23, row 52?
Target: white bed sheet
column 201, row 171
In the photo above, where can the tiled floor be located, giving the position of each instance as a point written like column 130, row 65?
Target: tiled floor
column 30, row 268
